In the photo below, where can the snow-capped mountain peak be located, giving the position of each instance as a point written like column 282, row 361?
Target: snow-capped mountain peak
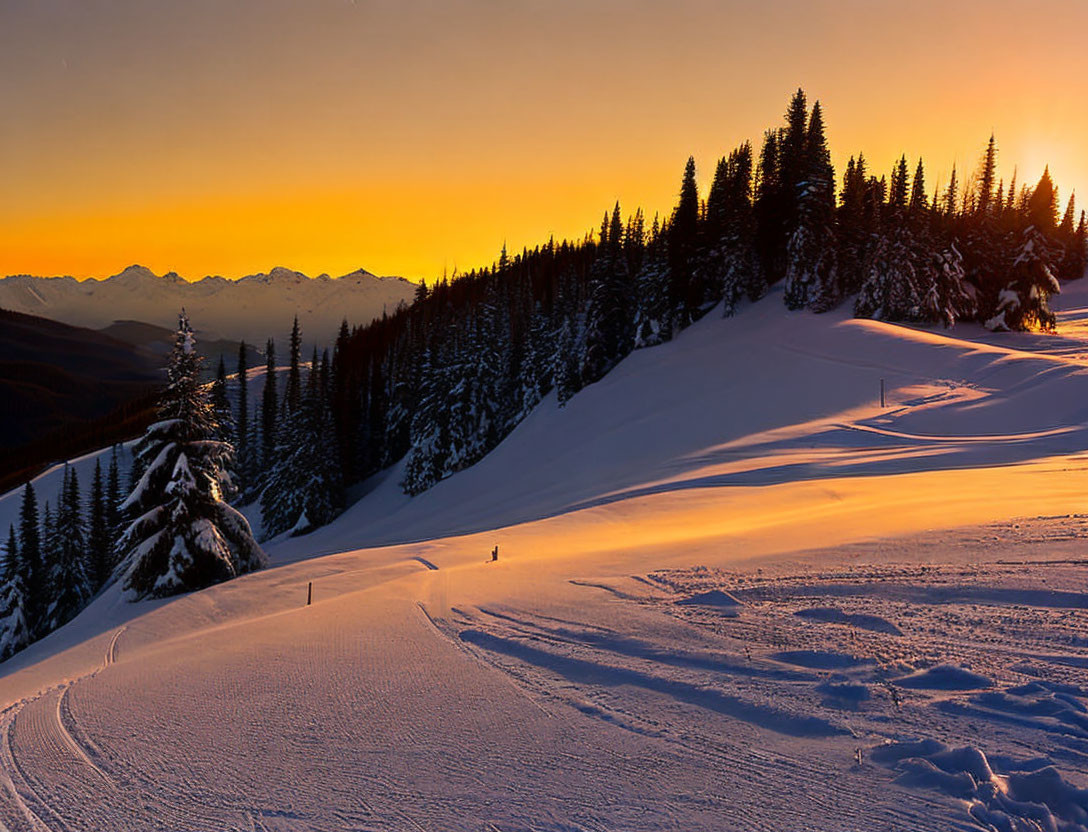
column 253, row 308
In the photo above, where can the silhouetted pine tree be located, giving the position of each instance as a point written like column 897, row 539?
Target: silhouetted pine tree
column 685, row 294
column 30, row 561
column 292, row 395
column 99, row 534
column 610, row 315
column 269, row 404
column 810, row 252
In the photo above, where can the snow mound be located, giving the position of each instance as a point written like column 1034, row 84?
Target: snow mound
column 1024, row 798
column 944, row 677
column 840, row 693
column 725, row 602
column 832, row 615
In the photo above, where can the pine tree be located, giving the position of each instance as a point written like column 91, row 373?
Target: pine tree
column 269, row 402
column 68, row 579
column 987, row 174
column 304, row 489
column 99, row 534
column 771, row 210
column 292, row 395
column 51, row 557
column 114, row 498
column 1079, row 264
column 184, row 536
column 685, row 295
column 609, row 316
column 858, row 222
column 810, row 252
column 729, row 262
column 430, row 428
column 245, row 467
column 565, row 363
column 897, row 189
column 1043, row 205
column 30, row 561
column 653, row 324
column 224, row 432
column 951, row 194
column 1023, row 303
column 919, row 201
column 14, row 630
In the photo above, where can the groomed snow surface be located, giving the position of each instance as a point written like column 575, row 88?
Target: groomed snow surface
column 733, row 593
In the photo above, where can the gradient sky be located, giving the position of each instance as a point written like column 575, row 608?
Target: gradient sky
column 406, row 137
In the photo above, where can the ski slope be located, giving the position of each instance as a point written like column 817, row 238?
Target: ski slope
column 734, row 592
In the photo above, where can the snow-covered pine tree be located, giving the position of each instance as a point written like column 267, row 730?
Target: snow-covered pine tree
column 742, row 274
column 1023, row 303
column 1079, row 266
column 224, row 432
column 31, row 561
column 244, row 473
column 946, row 295
column 99, row 535
column 184, row 536
column 430, row 427
column 890, row 291
column 810, row 251
column 68, row 578
column 728, row 266
column 14, row 631
column 535, row 376
column 304, row 491
column 114, row 498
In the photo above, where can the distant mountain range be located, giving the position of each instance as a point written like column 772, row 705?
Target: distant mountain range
column 252, row 308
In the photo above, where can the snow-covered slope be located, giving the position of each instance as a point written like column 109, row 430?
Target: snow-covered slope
column 842, row 659
column 252, row 308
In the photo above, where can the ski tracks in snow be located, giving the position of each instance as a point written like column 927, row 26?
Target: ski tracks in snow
column 38, row 747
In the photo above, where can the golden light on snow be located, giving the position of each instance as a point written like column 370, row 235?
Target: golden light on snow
column 410, row 138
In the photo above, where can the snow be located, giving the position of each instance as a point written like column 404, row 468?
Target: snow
column 567, row 686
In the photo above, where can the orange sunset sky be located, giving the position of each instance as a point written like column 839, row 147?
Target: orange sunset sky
column 229, row 136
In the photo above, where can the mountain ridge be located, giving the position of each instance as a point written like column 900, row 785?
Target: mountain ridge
column 253, row 307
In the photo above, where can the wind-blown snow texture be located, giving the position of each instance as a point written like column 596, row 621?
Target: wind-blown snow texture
column 660, row 644
column 252, row 308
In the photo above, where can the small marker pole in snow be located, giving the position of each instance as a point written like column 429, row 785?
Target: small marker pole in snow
column 309, row 593
column 882, row 392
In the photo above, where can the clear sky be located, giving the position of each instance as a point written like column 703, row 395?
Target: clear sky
column 408, row 137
